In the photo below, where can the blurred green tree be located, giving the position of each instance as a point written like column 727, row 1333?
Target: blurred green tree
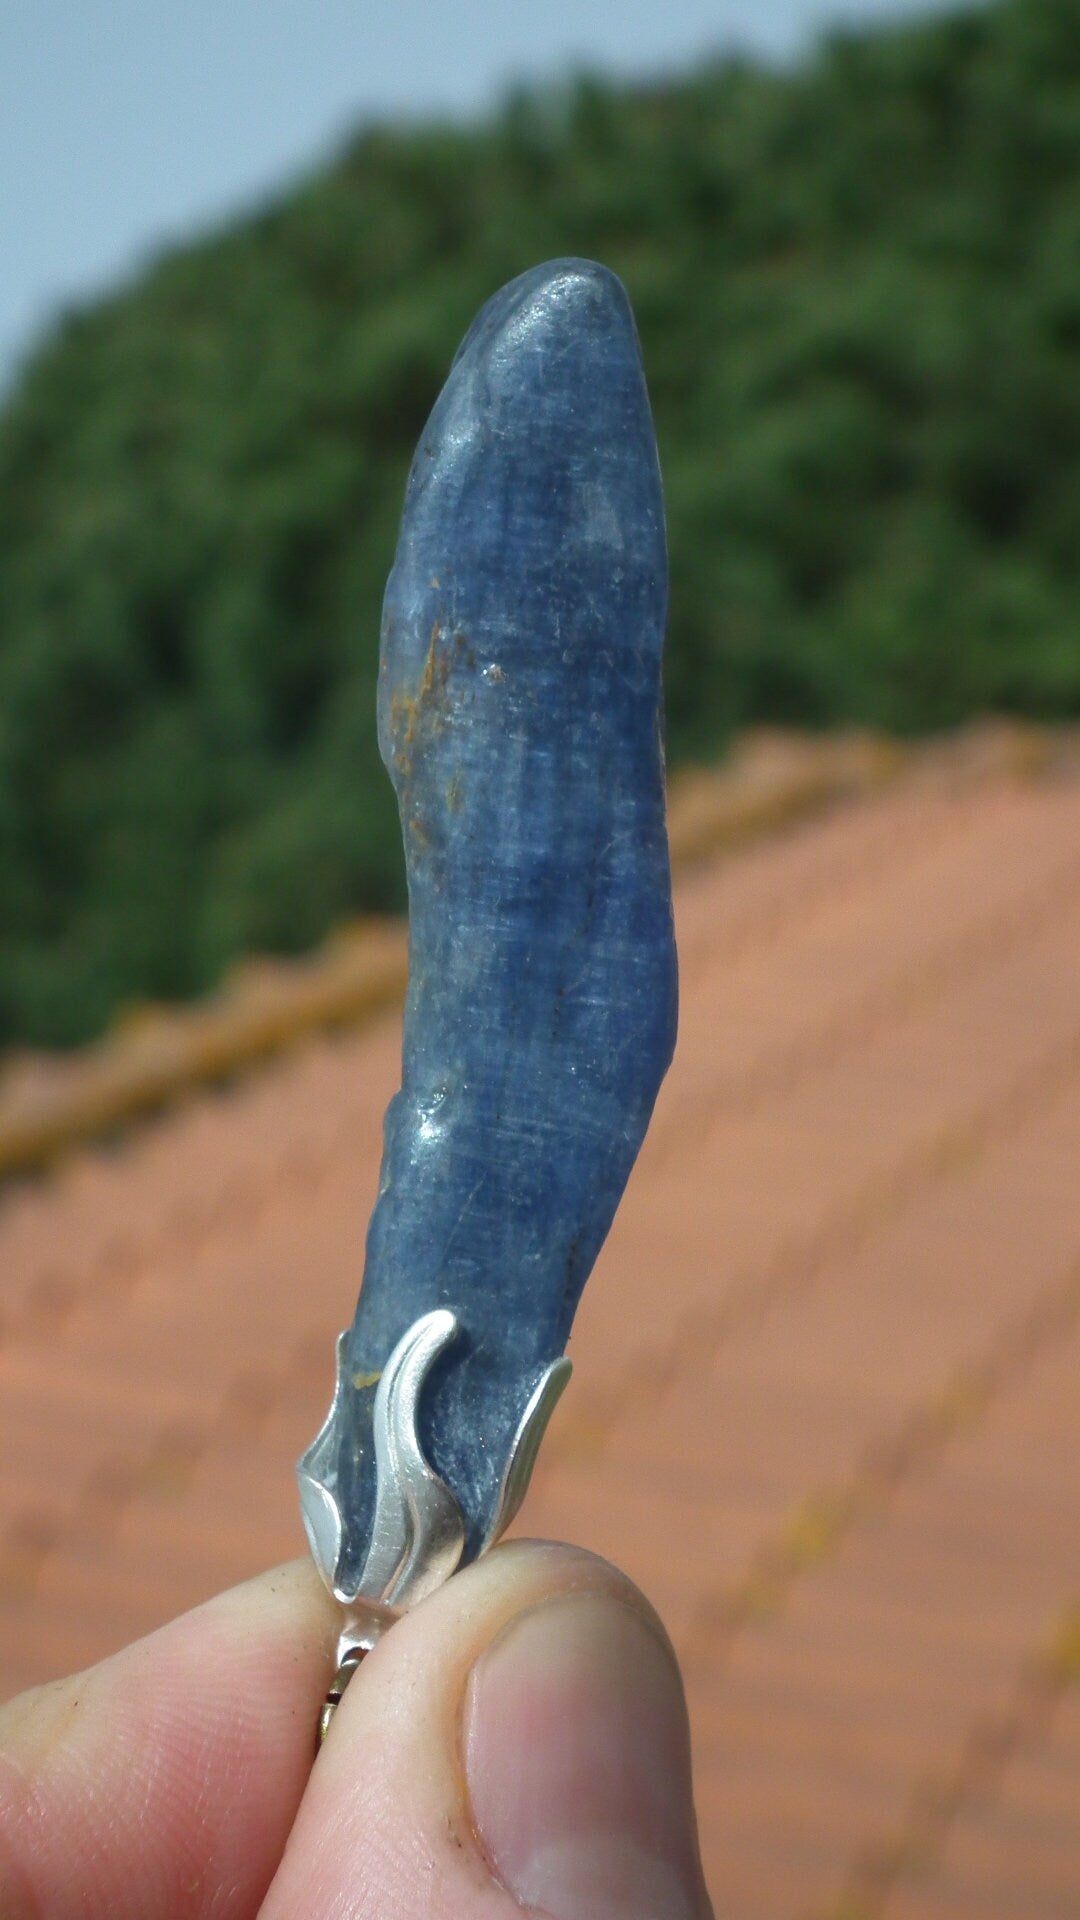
column 858, row 286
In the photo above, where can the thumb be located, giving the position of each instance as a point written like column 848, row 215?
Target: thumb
column 519, row 1741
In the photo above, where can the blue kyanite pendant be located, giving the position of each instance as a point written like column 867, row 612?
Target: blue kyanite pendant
column 520, row 721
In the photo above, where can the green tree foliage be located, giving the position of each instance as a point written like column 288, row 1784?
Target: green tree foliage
column 858, row 286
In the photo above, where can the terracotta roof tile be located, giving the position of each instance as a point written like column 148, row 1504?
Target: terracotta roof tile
column 839, row 1447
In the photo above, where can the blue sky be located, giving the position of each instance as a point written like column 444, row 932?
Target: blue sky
column 128, row 124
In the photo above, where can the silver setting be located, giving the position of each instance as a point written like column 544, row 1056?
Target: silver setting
column 532, row 1427
column 417, row 1532
column 417, row 1535
column 316, row 1477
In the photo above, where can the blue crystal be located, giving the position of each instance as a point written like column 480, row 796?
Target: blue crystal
column 520, row 721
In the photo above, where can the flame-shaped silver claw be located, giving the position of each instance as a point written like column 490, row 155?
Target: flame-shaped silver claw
column 417, row 1533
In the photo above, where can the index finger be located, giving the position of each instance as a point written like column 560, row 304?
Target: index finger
column 162, row 1784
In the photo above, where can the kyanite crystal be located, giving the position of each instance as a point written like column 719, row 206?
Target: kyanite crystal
column 520, row 722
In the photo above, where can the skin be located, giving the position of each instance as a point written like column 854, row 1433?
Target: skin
column 175, row 1779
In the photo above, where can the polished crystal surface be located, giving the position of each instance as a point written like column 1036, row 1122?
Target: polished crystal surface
column 520, row 722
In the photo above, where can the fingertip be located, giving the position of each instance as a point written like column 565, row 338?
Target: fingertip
column 407, row 1793
column 578, row 1763
column 229, row 1650
column 174, row 1765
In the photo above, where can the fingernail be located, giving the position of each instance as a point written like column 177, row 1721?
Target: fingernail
column 578, row 1763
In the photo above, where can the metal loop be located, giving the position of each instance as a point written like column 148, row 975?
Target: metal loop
column 335, row 1690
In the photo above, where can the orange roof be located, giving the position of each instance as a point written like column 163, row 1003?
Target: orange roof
column 845, row 1461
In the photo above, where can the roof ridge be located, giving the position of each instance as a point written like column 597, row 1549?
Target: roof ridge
column 26, row 1543
column 155, row 1056
column 58, row 1287
column 995, row 937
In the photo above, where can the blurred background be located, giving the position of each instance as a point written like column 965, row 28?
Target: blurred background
column 240, row 247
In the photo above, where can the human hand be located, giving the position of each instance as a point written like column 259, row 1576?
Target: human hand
column 516, row 1743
